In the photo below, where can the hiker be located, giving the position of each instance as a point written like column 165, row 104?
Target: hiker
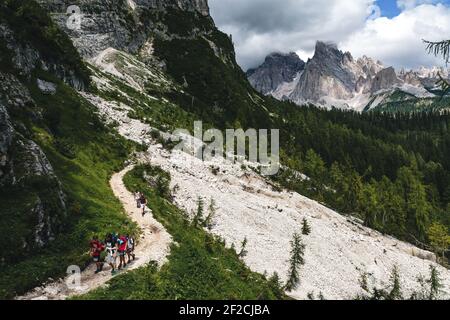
column 111, row 252
column 130, row 248
column 96, row 250
column 143, row 202
column 122, row 244
column 137, row 197
column 115, row 237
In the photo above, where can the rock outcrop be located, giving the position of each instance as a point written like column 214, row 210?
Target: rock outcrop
column 123, row 25
column 277, row 69
column 24, row 166
column 33, row 204
column 6, row 140
column 385, row 79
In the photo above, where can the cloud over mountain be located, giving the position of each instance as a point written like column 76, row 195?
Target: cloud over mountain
column 260, row 27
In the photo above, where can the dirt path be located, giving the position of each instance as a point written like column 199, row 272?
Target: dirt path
column 153, row 245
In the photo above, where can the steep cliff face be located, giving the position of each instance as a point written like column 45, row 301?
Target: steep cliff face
column 326, row 74
column 277, row 69
column 33, row 204
column 332, row 75
column 385, row 79
column 179, row 36
column 121, row 24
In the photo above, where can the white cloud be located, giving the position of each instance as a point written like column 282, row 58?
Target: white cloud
column 304, row 55
column 260, row 27
column 410, row 4
column 398, row 41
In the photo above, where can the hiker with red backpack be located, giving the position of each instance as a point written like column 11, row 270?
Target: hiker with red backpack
column 123, row 243
column 96, row 250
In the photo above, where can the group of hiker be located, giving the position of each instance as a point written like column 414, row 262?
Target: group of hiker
column 115, row 246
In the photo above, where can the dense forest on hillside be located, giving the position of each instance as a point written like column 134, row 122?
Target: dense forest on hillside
column 391, row 170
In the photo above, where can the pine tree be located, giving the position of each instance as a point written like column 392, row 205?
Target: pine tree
column 276, row 286
column 368, row 203
column 243, row 251
column 430, row 289
column 314, row 167
column 415, row 199
column 296, row 261
column 208, row 223
column 435, row 284
column 396, row 290
column 198, row 216
column 306, row 229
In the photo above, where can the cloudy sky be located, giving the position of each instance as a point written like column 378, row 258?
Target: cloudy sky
column 388, row 30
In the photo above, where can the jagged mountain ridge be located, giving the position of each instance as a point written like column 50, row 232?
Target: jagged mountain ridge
column 277, row 69
column 334, row 78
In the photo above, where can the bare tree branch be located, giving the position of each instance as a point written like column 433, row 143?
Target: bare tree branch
column 440, row 48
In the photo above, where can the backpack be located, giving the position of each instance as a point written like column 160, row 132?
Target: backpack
column 130, row 243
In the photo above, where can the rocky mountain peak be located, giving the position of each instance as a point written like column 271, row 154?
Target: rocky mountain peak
column 385, row 79
column 334, row 78
column 327, row 51
column 277, row 68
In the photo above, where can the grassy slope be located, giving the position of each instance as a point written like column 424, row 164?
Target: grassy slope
column 83, row 152
column 92, row 205
column 199, row 267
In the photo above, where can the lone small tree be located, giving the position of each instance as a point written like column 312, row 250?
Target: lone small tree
column 306, row 228
column 435, row 284
column 276, row 285
column 198, row 216
column 243, row 251
column 296, row 261
column 396, row 289
column 208, row 223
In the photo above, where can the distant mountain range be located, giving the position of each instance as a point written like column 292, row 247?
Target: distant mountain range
column 333, row 78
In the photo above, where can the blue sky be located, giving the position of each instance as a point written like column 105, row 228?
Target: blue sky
column 388, row 8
